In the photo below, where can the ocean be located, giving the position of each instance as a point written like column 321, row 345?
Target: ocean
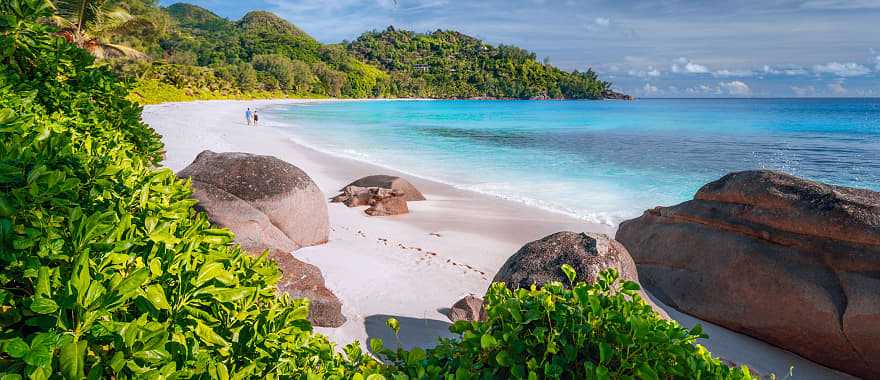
column 600, row 161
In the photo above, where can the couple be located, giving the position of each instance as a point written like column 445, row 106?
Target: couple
column 251, row 117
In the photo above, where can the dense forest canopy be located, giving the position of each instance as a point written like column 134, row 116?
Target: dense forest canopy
column 197, row 53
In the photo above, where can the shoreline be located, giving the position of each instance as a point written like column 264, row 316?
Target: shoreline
column 411, row 266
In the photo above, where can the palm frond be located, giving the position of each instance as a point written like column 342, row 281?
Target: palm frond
column 105, row 51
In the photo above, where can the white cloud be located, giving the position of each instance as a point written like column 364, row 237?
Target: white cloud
column 684, row 65
column 736, row 88
column 877, row 59
column 837, row 88
column 704, row 90
column 785, row 70
column 849, row 69
column 650, row 72
column 803, row 92
column 602, row 21
column 733, row 73
column 650, row 89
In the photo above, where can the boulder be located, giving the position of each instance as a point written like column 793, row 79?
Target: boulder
column 382, row 201
column 393, row 183
column 303, row 280
column 540, row 261
column 469, row 308
column 287, row 196
column 253, row 229
column 792, row 262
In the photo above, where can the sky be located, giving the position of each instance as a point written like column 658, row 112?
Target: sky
column 661, row 48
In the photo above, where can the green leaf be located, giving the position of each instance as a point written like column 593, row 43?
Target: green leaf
column 647, row 373
column 488, row 342
column 43, row 306
column 630, row 285
column 72, row 360
column 605, row 352
column 393, row 324
column 212, row 271
column 156, row 295
column 15, row 347
column 207, row 335
column 569, row 273
column 40, row 354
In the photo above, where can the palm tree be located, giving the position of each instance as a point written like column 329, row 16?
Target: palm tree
column 90, row 23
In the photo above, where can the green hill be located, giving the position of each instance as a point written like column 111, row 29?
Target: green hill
column 448, row 64
column 198, row 54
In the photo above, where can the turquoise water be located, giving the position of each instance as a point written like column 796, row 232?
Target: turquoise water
column 599, row 161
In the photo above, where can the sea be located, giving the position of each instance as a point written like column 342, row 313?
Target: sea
column 599, row 161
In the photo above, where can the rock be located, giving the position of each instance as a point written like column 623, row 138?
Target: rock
column 285, row 194
column 792, row 262
column 393, row 183
column 614, row 95
column 540, row 261
column 382, row 201
column 253, row 229
column 303, row 280
column 389, row 205
column 469, row 308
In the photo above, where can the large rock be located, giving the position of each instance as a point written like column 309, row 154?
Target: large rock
column 382, row 201
column 795, row 263
column 303, row 280
column 253, row 229
column 540, row 261
column 469, row 308
column 393, row 183
column 285, row 194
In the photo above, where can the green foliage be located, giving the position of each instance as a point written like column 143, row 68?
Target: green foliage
column 448, row 64
column 601, row 331
column 108, row 271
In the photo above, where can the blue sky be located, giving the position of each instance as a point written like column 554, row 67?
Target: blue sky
column 662, row 48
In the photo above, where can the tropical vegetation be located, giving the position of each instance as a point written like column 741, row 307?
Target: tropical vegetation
column 110, row 272
column 184, row 52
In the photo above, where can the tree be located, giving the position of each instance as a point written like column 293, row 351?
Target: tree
column 90, row 23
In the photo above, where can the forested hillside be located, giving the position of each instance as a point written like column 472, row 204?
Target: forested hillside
column 191, row 53
column 448, row 64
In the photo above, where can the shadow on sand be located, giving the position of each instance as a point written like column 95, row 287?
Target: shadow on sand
column 414, row 332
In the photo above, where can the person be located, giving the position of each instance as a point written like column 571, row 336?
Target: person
column 248, row 115
column 256, row 118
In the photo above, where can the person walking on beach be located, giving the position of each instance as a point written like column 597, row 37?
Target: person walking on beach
column 248, row 115
column 256, row 118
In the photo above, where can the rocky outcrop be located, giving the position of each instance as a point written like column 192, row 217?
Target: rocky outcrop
column 469, row 308
column 614, row 95
column 269, row 205
column 303, row 280
column 392, row 183
column 793, row 262
column 540, row 261
column 381, row 201
column 286, row 195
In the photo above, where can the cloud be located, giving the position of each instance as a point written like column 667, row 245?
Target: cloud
column 803, row 92
column 602, row 21
column 849, row 69
column 733, row 73
column 703, row 90
column 684, row 65
column 837, row 88
column 877, row 59
column 736, row 88
column 784, row 70
column 650, row 89
column 651, row 72
column 840, row 4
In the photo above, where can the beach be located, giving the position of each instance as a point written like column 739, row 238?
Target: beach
column 415, row 266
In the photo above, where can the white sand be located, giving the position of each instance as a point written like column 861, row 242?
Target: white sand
column 399, row 266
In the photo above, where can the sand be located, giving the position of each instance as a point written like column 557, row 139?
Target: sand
column 411, row 267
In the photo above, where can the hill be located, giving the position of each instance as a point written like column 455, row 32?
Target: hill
column 198, row 54
column 449, row 64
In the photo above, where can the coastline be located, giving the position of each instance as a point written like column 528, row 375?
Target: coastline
column 399, row 266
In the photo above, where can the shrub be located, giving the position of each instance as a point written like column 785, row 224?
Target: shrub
column 601, row 331
column 108, row 271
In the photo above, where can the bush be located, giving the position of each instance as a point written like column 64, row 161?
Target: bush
column 601, row 331
column 108, row 271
